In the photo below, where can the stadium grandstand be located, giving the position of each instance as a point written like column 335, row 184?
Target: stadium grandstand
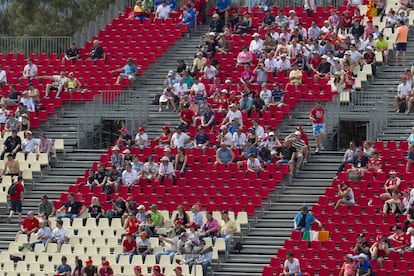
column 219, row 138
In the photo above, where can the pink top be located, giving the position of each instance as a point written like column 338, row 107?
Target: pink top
column 244, row 57
column 349, row 269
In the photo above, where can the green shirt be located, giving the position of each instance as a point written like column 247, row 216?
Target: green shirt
column 156, row 217
column 148, row 4
column 189, row 81
column 46, row 208
column 381, row 45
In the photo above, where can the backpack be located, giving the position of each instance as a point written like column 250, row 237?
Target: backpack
column 238, row 246
column 156, row 100
column 403, row 106
column 12, row 189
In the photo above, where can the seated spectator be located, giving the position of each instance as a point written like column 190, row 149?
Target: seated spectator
column 359, row 164
column 167, row 98
column 43, row 234
column 227, row 229
column 410, row 233
column 89, row 269
column 128, row 71
column 71, row 54
column 3, row 77
column 224, row 155
column 27, row 103
column 393, row 205
column 164, row 139
column 64, row 268
column 347, row 195
column 30, row 70
column 198, row 63
column 187, row 118
column 302, row 150
column 348, row 267
column 239, row 139
column 29, row 144
column 169, row 243
column 208, row 117
column 59, row 236
column 144, row 246
column 125, row 139
column 141, row 139
column 95, row 209
column 163, row 11
column 245, row 57
column 73, row 208
column 362, row 246
column 105, row 269
column 410, row 217
column 291, row 266
column 139, row 11
column 272, row 144
column 410, row 158
column 149, row 170
column 97, row 52
column 283, row 65
column 210, row 72
column 129, row 176
column 11, row 166
column 129, row 247
column 397, row 240
column 12, row 144
column 210, row 228
column 381, row 45
column 13, row 97
column 247, row 76
column 197, row 216
column 34, row 94
column 201, row 139
column 375, row 163
column 204, row 258
column 253, row 165
column 156, row 271
column 380, row 249
column 368, row 149
column 180, row 138
column 287, row 154
column 147, row 225
column 278, row 96
column 46, row 207
column 233, row 113
column 391, row 185
column 141, row 213
column 58, row 84
column 29, row 225
column 166, row 170
column 303, row 220
column 118, row 208
column 45, row 145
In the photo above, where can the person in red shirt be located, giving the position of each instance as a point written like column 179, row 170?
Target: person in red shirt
column 16, row 199
column 156, row 271
column 375, row 163
column 137, row 271
column 105, row 270
column 303, row 135
column 178, row 271
column 29, row 225
column 318, row 122
column 131, row 225
column 129, row 247
column 391, row 185
column 397, row 239
column 187, row 116
column 315, row 61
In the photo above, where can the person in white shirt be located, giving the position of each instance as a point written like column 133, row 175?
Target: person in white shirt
column 210, row 72
column 30, row 70
column 270, row 63
column 166, row 170
column 27, row 101
column 410, row 232
column 233, row 113
column 58, row 84
column 180, row 88
column 141, row 139
column 29, row 144
column 309, row 7
column 225, row 136
column 283, row 64
column 265, row 94
column 403, row 94
column 149, row 170
column 291, row 266
column 239, row 139
column 180, row 138
column 258, row 129
column 59, row 236
column 3, row 77
column 198, row 86
column 256, row 45
column 163, row 11
column 129, row 176
column 253, row 165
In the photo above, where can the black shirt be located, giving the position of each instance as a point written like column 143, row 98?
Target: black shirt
column 97, row 53
column 11, row 143
column 357, row 31
column 72, row 52
column 216, row 26
column 324, row 68
column 360, row 162
column 95, row 210
column 268, row 20
column 287, row 152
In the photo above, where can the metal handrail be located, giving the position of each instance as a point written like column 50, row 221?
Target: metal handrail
column 34, row 44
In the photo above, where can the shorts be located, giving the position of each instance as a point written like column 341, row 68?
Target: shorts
column 16, row 206
column 401, row 47
column 318, row 129
column 128, row 76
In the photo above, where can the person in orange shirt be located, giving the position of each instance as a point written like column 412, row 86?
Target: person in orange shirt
column 401, row 41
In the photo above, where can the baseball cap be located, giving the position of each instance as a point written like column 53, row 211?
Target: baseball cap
column 410, row 230
column 141, row 207
column 153, row 206
column 297, row 132
column 178, row 268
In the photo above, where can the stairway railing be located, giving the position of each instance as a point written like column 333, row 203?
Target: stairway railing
column 126, row 106
column 378, row 118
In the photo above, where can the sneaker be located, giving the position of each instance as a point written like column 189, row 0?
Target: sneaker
column 57, row 97
column 46, row 97
column 317, row 150
column 397, row 111
column 305, row 161
column 168, row 107
column 322, row 147
column 159, row 109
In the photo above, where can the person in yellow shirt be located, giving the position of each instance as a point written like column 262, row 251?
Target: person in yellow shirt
column 139, row 11
column 295, row 76
column 381, row 45
column 227, row 229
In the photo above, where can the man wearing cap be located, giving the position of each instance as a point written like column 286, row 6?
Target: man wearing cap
column 105, row 270
column 198, row 63
column 256, row 45
column 169, row 244
column 128, row 71
column 178, row 271
column 391, row 185
column 125, row 138
column 302, row 150
column 204, row 258
column 362, row 245
column 58, row 83
column 233, row 113
column 369, row 58
column 303, row 220
column 364, row 267
column 89, row 269
column 171, row 79
column 156, row 216
column 129, row 247
column 12, row 144
column 166, row 170
column 118, row 208
column 137, row 271
column 283, row 65
column 141, row 139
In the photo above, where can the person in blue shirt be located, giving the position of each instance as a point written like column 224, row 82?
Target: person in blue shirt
column 128, row 71
column 364, row 266
column 304, row 219
column 189, row 17
column 172, row 4
column 223, row 7
column 63, row 268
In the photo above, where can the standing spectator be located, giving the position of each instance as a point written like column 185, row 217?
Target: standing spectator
column 59, row 236
column 106, row 269
column 291, row 266
column 318, row 123
column 128, row 71
column 401, row 41
column 73, row 208
column 3, row 77
column 410, row 158
column 46, row 207
column 89, row 269
column 30, row 70
column 304, row 219
column 58, row 84
column 72, row 54
column 347, row 195
column 222, row 8
column 97, row 52
column 63, row 269
column 12, row 144
column 29, row 225
column 16, row 199
column 309, row 7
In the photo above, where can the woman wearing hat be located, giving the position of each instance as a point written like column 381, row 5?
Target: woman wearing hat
column 348, row 267
column 24, row 125
column 364, row 267
column 89, row 269
column 166, row 170
column 106, row 269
